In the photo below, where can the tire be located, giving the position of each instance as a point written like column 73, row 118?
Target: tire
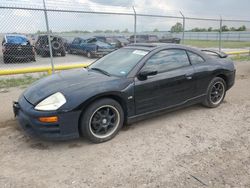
column 33, row 59
column 216, row 93
column 63, row 53
column 55, row 45
column 98, row 124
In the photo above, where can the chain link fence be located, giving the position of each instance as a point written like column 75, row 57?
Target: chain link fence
column 49, row 35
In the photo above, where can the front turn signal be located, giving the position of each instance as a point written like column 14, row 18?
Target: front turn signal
column 52, row 119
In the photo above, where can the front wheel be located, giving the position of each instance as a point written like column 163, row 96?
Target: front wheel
column 63, row 53
column 102, row 120
column 216, row 93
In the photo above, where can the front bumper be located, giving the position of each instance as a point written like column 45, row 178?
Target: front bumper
column 66, row 128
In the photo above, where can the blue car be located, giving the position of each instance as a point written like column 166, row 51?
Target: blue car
column 91, row 47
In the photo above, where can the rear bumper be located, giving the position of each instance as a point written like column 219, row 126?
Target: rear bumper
column 23, row 56
column 231, row 79
column 66, row 128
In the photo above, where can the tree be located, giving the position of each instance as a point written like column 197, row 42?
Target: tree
column 98, row 31
column 242, row 28
column 108, row 31
column 177, row 28
column 116, row 31
column 233, row 29
column 156, row 30
column 210, row 29
column 224, row 28
column 125, row 31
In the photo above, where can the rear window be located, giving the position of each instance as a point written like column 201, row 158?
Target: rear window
column 16, row 40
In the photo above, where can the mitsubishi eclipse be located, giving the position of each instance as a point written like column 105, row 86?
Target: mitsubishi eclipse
column 124, row 86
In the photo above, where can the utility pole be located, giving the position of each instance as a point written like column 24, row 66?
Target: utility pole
column 48, row 33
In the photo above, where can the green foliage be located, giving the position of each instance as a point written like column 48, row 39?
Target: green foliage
column 116, row 31
column 241, row 58
column 15, row 82
column 125, row 31
column 177, row 28
column 224, row 29
column 215, row 44
column 155, row 30
column 108, row 31
column 98, row 31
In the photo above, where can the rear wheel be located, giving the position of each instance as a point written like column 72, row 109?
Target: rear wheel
column 63, row 53
column 216, row 93
column 102, row 120
column 33, row 58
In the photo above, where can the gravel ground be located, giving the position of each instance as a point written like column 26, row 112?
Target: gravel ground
column 192, row 147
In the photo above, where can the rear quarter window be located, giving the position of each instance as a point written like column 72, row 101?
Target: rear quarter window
column 195, row 58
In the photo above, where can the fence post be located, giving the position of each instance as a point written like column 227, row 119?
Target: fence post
column 183, row 25
column 48, row 33
column 134, row 24
column 220, row 33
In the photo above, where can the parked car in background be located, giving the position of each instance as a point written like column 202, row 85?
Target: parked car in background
column 144, row 38
column 168, row 38
column 101, row 38
column 91, row 47
column 17, row 47
column 42, row 45
column 117, row 42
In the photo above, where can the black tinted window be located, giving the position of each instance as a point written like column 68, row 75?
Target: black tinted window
column 195, row 59
column 167, row 60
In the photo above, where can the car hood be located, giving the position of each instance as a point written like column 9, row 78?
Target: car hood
column 66, row 82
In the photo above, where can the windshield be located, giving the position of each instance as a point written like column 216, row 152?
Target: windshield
column 119, row 62
column 16, row 40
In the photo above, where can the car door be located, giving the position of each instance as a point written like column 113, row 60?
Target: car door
column 203, row 72
column 75, row 45
column 172, row 85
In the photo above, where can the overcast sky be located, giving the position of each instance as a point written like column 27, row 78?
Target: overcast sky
column 18, row 20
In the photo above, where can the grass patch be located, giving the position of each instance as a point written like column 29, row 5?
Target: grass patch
column 16, row 82
column 241, row 58
column 215, row 44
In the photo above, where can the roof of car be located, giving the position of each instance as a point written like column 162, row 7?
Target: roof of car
column 16, row 35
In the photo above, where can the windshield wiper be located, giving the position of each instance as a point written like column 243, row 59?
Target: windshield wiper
column 100, row 70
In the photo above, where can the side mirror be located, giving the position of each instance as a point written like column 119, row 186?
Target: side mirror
column 143, row 75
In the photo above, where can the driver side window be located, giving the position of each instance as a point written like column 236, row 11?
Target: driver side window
column 167, row 60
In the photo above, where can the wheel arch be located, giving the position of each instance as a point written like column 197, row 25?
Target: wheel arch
column 224, row 77
column 115, row 96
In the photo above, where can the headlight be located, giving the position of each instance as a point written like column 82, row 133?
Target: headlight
column 53, row 102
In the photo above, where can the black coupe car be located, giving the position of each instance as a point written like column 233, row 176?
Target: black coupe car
column 126, row 85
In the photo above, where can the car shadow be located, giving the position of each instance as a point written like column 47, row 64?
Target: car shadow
column 40, row 144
